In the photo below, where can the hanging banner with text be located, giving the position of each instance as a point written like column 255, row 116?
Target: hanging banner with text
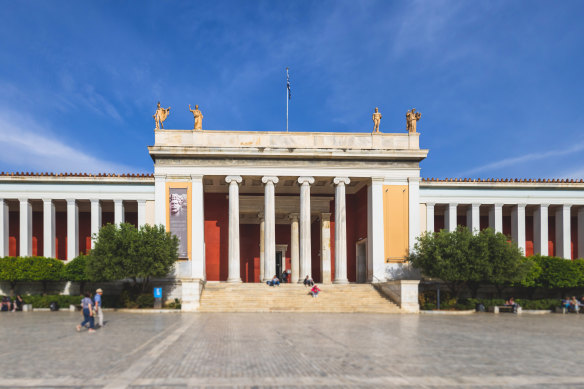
column 178, row 218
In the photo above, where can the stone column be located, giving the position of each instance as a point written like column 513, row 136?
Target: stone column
column 262, row 247
column 270, row 226
column 294, row 250
column 72, row 229
column 375, row 231
column 540, row 230
column 25, row 228
column 450, row 217
column 473, row 218
column 325, row 247
column 49, row 228
column 496, row 217
column 197, row 228
column 4, row 228
column 413, row 211
column 305, row 236
column 581, row 232
column 160, row 199
column 95, row 219
column 118, row 212
column 563, row 238
column 430, row 217
column 233, row 247
column 341, row 230
column 518, row 226
column 141, row 213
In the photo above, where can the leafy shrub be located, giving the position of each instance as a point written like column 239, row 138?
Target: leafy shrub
column 176, row 304
column 39, row 301
column 145, row 300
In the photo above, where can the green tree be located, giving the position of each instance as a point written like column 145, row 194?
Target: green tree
column 125, row 252
column 10, row 272
column 558, row 273
column 462, row 259
column 448, row 256
column 75, row 271
column 504, row 264
column 41, row 269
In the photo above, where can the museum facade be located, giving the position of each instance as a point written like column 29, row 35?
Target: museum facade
column 340, row 207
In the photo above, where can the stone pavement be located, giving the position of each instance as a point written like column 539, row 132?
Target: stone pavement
column 42, row 349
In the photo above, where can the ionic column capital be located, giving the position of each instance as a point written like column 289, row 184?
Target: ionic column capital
column 306, row 180
column 233, row 179
column 47, row 201
column 293, row 217
column 273, row 179
column 326, row 216
column 341, row 180
column 71, row 201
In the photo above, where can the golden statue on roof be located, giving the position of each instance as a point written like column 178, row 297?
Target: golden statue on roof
column 160, row 116
column 198, row 116
column 376, row 120
column 412, row 118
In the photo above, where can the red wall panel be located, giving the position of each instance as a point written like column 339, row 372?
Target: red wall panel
column 528, row 236
column 249, row 239
column 574, row 237
column 551, row 236
column 14, row 234
column 216, row 236
column 37, row 234
column 61, row 235
column 84, row 232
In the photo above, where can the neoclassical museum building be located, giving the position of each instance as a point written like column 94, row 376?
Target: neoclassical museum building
column 341, row 207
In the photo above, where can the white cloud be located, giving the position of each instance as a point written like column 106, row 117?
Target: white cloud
column 525, row 158
column 28, row 146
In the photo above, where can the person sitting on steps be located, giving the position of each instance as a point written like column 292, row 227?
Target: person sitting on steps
column 314, row 291
column 274, row 281
column 308, row 281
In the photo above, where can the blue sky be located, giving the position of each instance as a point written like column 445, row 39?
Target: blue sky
column 499, row 83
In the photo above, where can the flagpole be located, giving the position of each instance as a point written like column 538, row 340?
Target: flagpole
column 287, row 94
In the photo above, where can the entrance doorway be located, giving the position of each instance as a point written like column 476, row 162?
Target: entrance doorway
column 280, row 260
column 278, row 263
column 361, row 260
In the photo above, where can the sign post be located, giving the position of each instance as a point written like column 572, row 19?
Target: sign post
column 157, row 298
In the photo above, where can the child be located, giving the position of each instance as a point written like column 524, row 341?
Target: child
column 314, row 291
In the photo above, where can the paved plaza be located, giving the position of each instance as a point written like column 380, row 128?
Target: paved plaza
column 42, row 349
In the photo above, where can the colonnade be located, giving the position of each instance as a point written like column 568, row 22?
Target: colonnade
column 300, row 232
column 541, row 212
column 49, row 224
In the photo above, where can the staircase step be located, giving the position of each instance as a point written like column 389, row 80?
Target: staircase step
column 259, row 297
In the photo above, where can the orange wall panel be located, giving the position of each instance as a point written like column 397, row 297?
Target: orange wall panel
column 395, row 222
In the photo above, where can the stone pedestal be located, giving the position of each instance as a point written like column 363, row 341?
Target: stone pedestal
column 191, row 294
column 404, row 293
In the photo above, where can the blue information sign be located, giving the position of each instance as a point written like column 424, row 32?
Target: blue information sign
column 157, row 293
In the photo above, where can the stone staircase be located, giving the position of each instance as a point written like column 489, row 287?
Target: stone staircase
column 247, row 297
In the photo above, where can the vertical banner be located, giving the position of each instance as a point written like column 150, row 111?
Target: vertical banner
column 178, row 218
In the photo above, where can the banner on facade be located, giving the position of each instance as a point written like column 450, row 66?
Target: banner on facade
column 178, row 218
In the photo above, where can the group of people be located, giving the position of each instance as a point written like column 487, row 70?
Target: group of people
column 91, row 308
column 308, row 281
column 573, row 304
column 511, row 303
column 9, row 305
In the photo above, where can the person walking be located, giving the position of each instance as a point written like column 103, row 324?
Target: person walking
column 98, row 310
column 87, row 309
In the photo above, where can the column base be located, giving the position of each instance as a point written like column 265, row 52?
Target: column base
column 234, row 280
column 345, row 281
